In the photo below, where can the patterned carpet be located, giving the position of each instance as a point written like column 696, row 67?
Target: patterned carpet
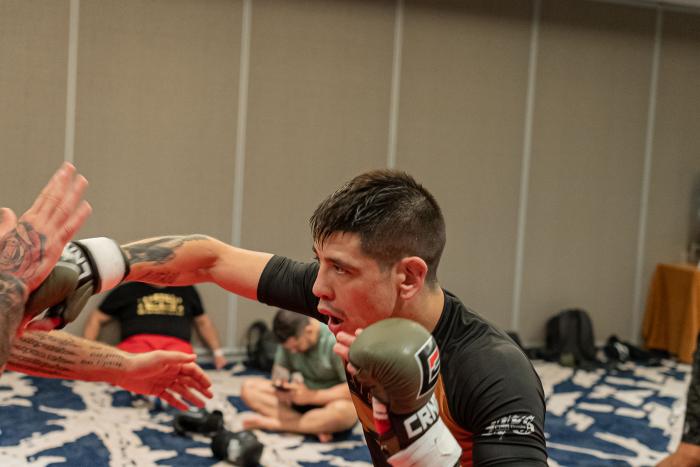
column 61, row 423
column 630, row 416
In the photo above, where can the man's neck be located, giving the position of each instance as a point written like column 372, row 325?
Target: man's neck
column 426, row 308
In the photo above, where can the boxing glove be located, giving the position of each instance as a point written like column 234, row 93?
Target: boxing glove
column 201, row 422
column 86, row 267
column 60, row 283
column 241, row 448
column 398, row 361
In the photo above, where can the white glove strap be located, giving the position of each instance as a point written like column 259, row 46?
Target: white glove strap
column 437, row 446
column 109, row 260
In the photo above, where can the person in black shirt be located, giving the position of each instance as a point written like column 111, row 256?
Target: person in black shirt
column 30, row 247
column 378, row 242
column 155, row 318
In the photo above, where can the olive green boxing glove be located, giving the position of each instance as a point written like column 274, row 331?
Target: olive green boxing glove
column 399, row 362
column 60, row 284
column 86, row 267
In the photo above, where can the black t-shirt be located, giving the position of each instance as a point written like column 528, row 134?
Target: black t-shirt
column 146, row 309
column 488, row 393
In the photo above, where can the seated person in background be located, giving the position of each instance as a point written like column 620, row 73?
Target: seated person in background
column 308, row 393
column 688, row 452
column 155, row 318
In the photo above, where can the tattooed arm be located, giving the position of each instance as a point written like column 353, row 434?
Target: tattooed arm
column 61, row 355
column 13, row 296
column 159, row 373
column 185, row 260
column 30, row 247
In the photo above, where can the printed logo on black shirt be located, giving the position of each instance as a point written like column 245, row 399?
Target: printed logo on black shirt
column 428, row 358
column 517, row 424
column 160, row 304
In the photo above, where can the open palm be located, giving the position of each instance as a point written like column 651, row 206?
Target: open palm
column 168, row 375
column 30, row 246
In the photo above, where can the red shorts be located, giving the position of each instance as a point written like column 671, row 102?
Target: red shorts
column 140, row 343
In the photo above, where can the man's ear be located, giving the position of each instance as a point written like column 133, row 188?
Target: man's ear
column 412, row 272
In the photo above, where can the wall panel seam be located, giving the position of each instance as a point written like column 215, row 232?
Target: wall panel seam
column 238, row 182
column 526, row 158
column 71, row 80
column 646, row 177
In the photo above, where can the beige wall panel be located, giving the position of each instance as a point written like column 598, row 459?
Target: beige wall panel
column 318, row 112
column 676, row 156
column 33, row 64
column 460, row 132
column 589, row 128
column 156, row 120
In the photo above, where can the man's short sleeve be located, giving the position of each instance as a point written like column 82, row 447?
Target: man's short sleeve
column 288, row 284
column 197, row 308
column 500, row 400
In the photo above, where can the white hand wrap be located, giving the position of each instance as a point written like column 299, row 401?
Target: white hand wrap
column 436, row 446
column 108, row 260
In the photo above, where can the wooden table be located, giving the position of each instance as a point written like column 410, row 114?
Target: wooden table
column 672, row 318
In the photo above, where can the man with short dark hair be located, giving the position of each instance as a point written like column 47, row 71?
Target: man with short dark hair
column 307, row 393
column 288, row 325
column 378, row 242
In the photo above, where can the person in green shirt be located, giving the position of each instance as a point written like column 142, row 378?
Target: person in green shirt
column 307, row 392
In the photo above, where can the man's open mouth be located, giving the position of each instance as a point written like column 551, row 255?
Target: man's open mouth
column 334, row 324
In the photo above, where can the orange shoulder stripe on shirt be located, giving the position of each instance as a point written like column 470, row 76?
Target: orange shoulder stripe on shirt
column 463, row 437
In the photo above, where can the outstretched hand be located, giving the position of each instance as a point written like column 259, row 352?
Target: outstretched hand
column 31, row 246
column 167, row 375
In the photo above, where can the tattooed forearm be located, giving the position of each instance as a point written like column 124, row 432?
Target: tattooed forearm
column 61, row 355
column 51, row 344
column 160, row 250
column 37, row 360
column 21, row 251
column 160, row 277
column 13, row 296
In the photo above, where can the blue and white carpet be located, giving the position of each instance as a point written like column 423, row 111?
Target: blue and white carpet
column 632, row 416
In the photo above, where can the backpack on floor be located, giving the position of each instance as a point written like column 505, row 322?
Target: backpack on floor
column 569, row 339
column 261, row 346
